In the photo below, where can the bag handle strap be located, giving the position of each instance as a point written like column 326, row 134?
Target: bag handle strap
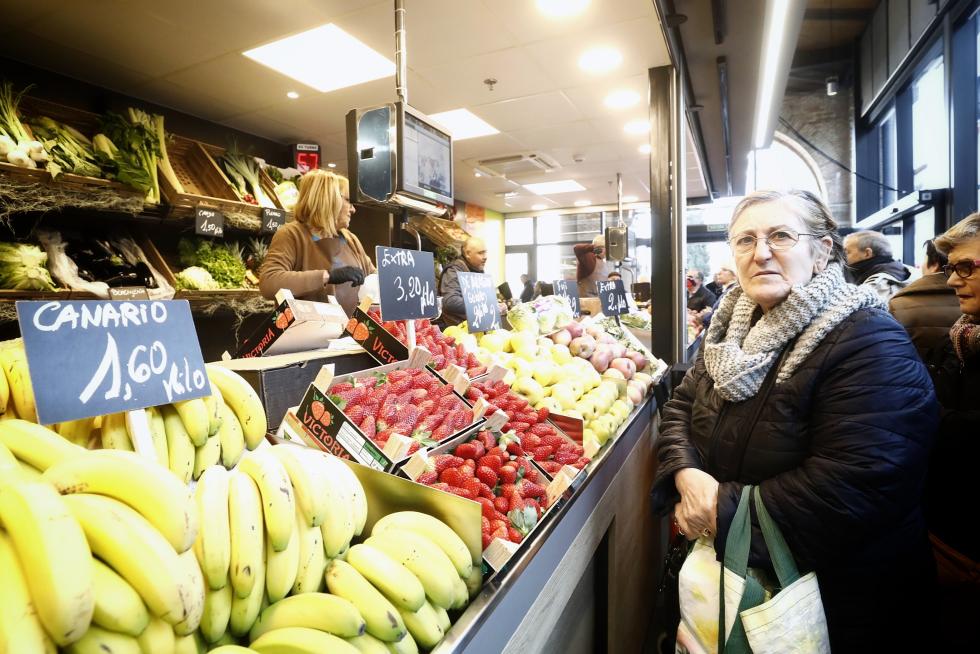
column 739, row 536
column 737, row 560
column 779, row 552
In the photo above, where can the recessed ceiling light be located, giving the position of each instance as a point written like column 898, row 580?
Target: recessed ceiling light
column 464, row 124
column 292, row 95
column 583, row 203
column 645, row 148
column 622, row 98
column 630, row 198
column 637, row 127
column 538, row 207
column 476, row 173
column 600, row 60
column 562, row 8
column 550, row 188
column 301, row 57
column 331, row 165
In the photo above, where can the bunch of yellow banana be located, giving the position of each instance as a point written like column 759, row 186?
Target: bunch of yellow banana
column 16, row 392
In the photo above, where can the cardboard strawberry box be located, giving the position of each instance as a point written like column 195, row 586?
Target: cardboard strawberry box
column 381, row 416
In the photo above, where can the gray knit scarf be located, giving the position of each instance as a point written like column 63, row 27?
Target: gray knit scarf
column 738, row 354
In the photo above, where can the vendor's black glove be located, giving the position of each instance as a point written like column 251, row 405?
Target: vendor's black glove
column 350, row 274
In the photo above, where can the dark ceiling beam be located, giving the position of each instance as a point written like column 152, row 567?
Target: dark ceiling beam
column 719, row 20
column 838, row 14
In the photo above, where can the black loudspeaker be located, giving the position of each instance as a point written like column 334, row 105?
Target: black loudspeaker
column 616, row 243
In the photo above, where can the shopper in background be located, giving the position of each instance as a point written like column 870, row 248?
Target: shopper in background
column 927, row 307
column 714, row 285
column 472, row 259
column 869, row 260
column 698, row 297
column 806, row 387
column 527, row 293
column 591, row 266
column 727, row 279
column 315, row 255
column 951, row 507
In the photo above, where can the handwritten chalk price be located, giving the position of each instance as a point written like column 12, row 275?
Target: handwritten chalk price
column 272, row 220
column 612, row 297
column 407, row 282
column 570, row 292
column 209, row 222
column 480, row 301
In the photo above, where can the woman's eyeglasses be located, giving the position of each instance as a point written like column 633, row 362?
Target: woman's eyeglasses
column 963, row 268
column 782, row 239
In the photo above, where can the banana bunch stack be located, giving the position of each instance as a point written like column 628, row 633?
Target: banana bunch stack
column 16, row 393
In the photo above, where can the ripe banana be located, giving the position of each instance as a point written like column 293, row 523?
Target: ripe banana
column 192, row 644
column 217, row 613
column 207, row 455
column 301, row 640
column 387, row 575
column 322, row 611
column 342, row 471
column 245, row 525
column 77, row 431
column 36, row 445
column 227, row 640
column 158, row 433
column 368, row 644
column 115, row 436
column 117, row 606
column 157, row 638
column 232, row 439
column 475, row 581
column 435, row 530
column 180, row 449
column 281, row 567
column 443, row 617
column 192, row 590
column 131, row 546
column 20, row 629
column 13, row 360
column 196, row 417
column 424, row 626
column 28, row 472
column 213, row 544
column 52, row 551
column 338, row 524
column 309, row 487
column 278, row 504
column 231, row 649
column 214, row 415
column 245, row 610
column 239, row 395
column 4, row 393
column 99, row 641
column 133, row 480
column 423, row 559
column 380, row 616
column 312, row 561
column 8, row 462
column 406, row 645
column 462, row 594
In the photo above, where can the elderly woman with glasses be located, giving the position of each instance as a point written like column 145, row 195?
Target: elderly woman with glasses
column 806, row 387
column 950, row 505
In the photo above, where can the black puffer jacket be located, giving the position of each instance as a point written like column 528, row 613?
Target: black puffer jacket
column 840, row 452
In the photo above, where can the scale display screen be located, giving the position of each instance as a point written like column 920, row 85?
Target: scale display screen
column 427, row 166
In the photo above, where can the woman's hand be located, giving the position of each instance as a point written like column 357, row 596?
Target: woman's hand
column 697, row 512
column 344, row 274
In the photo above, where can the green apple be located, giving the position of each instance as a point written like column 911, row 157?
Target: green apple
column 520, row 366
column 493, row 341
column 573, row 413
column 530, row 389
column 546, row 373
column 564, row 394
column 561, row 355
column 587, row 408
column 523, row 342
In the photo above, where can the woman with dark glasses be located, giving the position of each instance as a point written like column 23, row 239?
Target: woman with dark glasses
column 951, row 491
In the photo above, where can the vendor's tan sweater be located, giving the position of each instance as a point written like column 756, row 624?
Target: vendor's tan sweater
column 296, row 261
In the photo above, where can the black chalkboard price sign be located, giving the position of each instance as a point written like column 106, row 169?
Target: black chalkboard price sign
column 272, row 220
column 95, row 357
column 407, row 279
column 209, row 222
column 480, row 300
column 612, row 297
column 569, row 290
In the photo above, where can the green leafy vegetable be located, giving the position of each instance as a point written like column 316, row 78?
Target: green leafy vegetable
column 222, row 260
column 24, row 267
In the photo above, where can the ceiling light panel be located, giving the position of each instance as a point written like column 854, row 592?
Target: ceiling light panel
column 621, row 99
column 637, row 127
column 313, row 57
column 561, row 8
column 645, row 148
column 600, row 60
column 464, row 124
column 554, row 188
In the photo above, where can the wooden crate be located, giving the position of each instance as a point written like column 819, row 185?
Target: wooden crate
column 204, row 182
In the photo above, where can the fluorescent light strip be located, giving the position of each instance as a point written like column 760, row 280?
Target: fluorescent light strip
column 553, row 188
column 464, row 124
column 775, row 35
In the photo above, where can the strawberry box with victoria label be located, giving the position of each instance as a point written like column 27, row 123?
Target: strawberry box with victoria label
column 380, row 417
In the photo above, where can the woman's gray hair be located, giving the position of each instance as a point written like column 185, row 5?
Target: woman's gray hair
column 960, row 233
column 811, row 210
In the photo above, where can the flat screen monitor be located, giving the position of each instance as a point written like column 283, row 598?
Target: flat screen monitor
column 425, row 156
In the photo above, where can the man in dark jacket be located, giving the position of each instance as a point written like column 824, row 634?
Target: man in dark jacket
column 927, row 307
column 527, row 292
column 473, row 259
column 698, row 297
column 869, row 261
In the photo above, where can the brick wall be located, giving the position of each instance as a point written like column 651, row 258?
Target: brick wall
column 828, row 123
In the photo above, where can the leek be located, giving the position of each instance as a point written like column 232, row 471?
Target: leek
column 136, row 153
column 71, row 153
column 17, row 144
column 246, row 168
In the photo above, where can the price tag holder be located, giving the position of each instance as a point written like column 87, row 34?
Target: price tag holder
column 407, row 280
column 272, row 220
column 129, row 293
column 612, row 297
column 209, row 222
column 480, row 300
column 94, row 357
column 569, row 290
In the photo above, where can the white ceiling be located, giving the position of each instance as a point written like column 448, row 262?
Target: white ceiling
column 186, row 54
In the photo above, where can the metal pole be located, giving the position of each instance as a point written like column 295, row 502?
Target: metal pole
column 678, row 224
column 401, row 53
column 619, row 197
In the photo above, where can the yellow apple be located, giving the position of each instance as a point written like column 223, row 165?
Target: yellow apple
column 546, row 373
column 564, row 394
column 560, row 354
column 530, row 389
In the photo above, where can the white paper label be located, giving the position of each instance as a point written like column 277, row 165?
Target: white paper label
column 499, row 552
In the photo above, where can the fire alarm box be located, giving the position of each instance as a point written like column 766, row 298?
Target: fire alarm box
column 306, row 156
